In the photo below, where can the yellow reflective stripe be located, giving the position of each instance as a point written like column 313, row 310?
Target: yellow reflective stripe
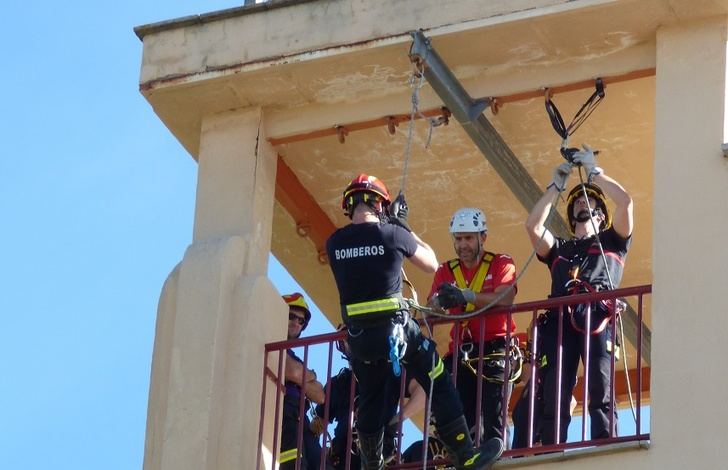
column 439, row 368
column 288, row 455
column 373, row 306
column 476, row 285
column 472, row 460
column 609, row 349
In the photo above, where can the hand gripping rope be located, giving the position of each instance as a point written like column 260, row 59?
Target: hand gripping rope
column 584, row 112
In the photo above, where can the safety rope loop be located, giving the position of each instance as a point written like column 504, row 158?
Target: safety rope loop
column 557, row 122
column 417, row 81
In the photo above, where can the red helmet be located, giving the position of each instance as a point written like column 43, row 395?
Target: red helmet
column 360, row 189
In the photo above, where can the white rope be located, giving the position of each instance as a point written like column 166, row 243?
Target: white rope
column 417, row 81
column 619, row 319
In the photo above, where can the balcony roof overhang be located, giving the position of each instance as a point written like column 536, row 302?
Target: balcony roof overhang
column 315, row 65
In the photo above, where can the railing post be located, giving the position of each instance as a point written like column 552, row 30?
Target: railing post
column 479, row 386
column 262, row 413
column 638, row 411
column 534, row 378
column 559, row 372
column 612, row 372
column 505, row 393
column 587, row 369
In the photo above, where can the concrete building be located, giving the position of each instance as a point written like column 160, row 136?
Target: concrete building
column 282, row 103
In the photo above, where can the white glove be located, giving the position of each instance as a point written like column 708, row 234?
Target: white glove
column 561, row 174
column 587, row 159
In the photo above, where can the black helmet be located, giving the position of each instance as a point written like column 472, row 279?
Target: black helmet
column 593, row 191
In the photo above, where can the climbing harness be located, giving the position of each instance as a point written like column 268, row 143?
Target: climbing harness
column 609, row 308
column 496, row 359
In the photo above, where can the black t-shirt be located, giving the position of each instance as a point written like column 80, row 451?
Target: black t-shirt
column 584, row 254
column 366, row 260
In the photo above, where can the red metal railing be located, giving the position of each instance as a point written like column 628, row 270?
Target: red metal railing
column 520, row 310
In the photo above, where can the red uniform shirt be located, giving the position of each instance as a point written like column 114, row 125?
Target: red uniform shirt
column 502, row 271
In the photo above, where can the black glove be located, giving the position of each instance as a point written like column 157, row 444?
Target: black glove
column 449, row 296
column 398, row 211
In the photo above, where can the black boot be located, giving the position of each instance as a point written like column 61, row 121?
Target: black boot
column 370, row 450
column 456, row 437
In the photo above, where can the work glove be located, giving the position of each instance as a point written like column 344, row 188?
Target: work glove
column 561, row 175
column 398, row 211
column 449, row 296
column 588, row 160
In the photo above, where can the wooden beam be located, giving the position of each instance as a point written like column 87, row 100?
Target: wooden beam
column 497, row 102
column 311, row 221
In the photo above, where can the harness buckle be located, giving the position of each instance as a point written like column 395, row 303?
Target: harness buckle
column 397, row 347
column 465, row 350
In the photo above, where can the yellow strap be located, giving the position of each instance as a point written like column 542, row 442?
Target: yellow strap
column 439, row 368
column 476, row 285
column 373, row 306
column 288, row 455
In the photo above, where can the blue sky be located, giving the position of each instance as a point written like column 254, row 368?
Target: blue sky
column 97, row 201
column 97, row 204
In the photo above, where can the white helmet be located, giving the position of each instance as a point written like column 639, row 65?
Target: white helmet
column 468, row 219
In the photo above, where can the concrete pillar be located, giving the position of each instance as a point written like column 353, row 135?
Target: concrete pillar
column 690, row 256
column 218, row 309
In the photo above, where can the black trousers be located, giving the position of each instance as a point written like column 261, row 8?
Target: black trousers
column 491, row 407
column 600, row 358
column 310, row 452
column 520, row 415
column 369, row 360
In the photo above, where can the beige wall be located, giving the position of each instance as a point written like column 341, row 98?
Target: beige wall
column 690, row 255
column 218, row 309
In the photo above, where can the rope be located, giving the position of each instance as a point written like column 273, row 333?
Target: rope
column 611, row 287
column 462, row 316
column 417, row 81
column 428, row 406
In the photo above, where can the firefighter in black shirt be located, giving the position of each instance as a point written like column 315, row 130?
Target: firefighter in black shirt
column 577, row 266
column 366, row 258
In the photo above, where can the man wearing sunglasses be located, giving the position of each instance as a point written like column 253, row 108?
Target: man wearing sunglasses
column 299, row 379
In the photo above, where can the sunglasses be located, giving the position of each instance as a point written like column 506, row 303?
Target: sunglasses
column 293, row 316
